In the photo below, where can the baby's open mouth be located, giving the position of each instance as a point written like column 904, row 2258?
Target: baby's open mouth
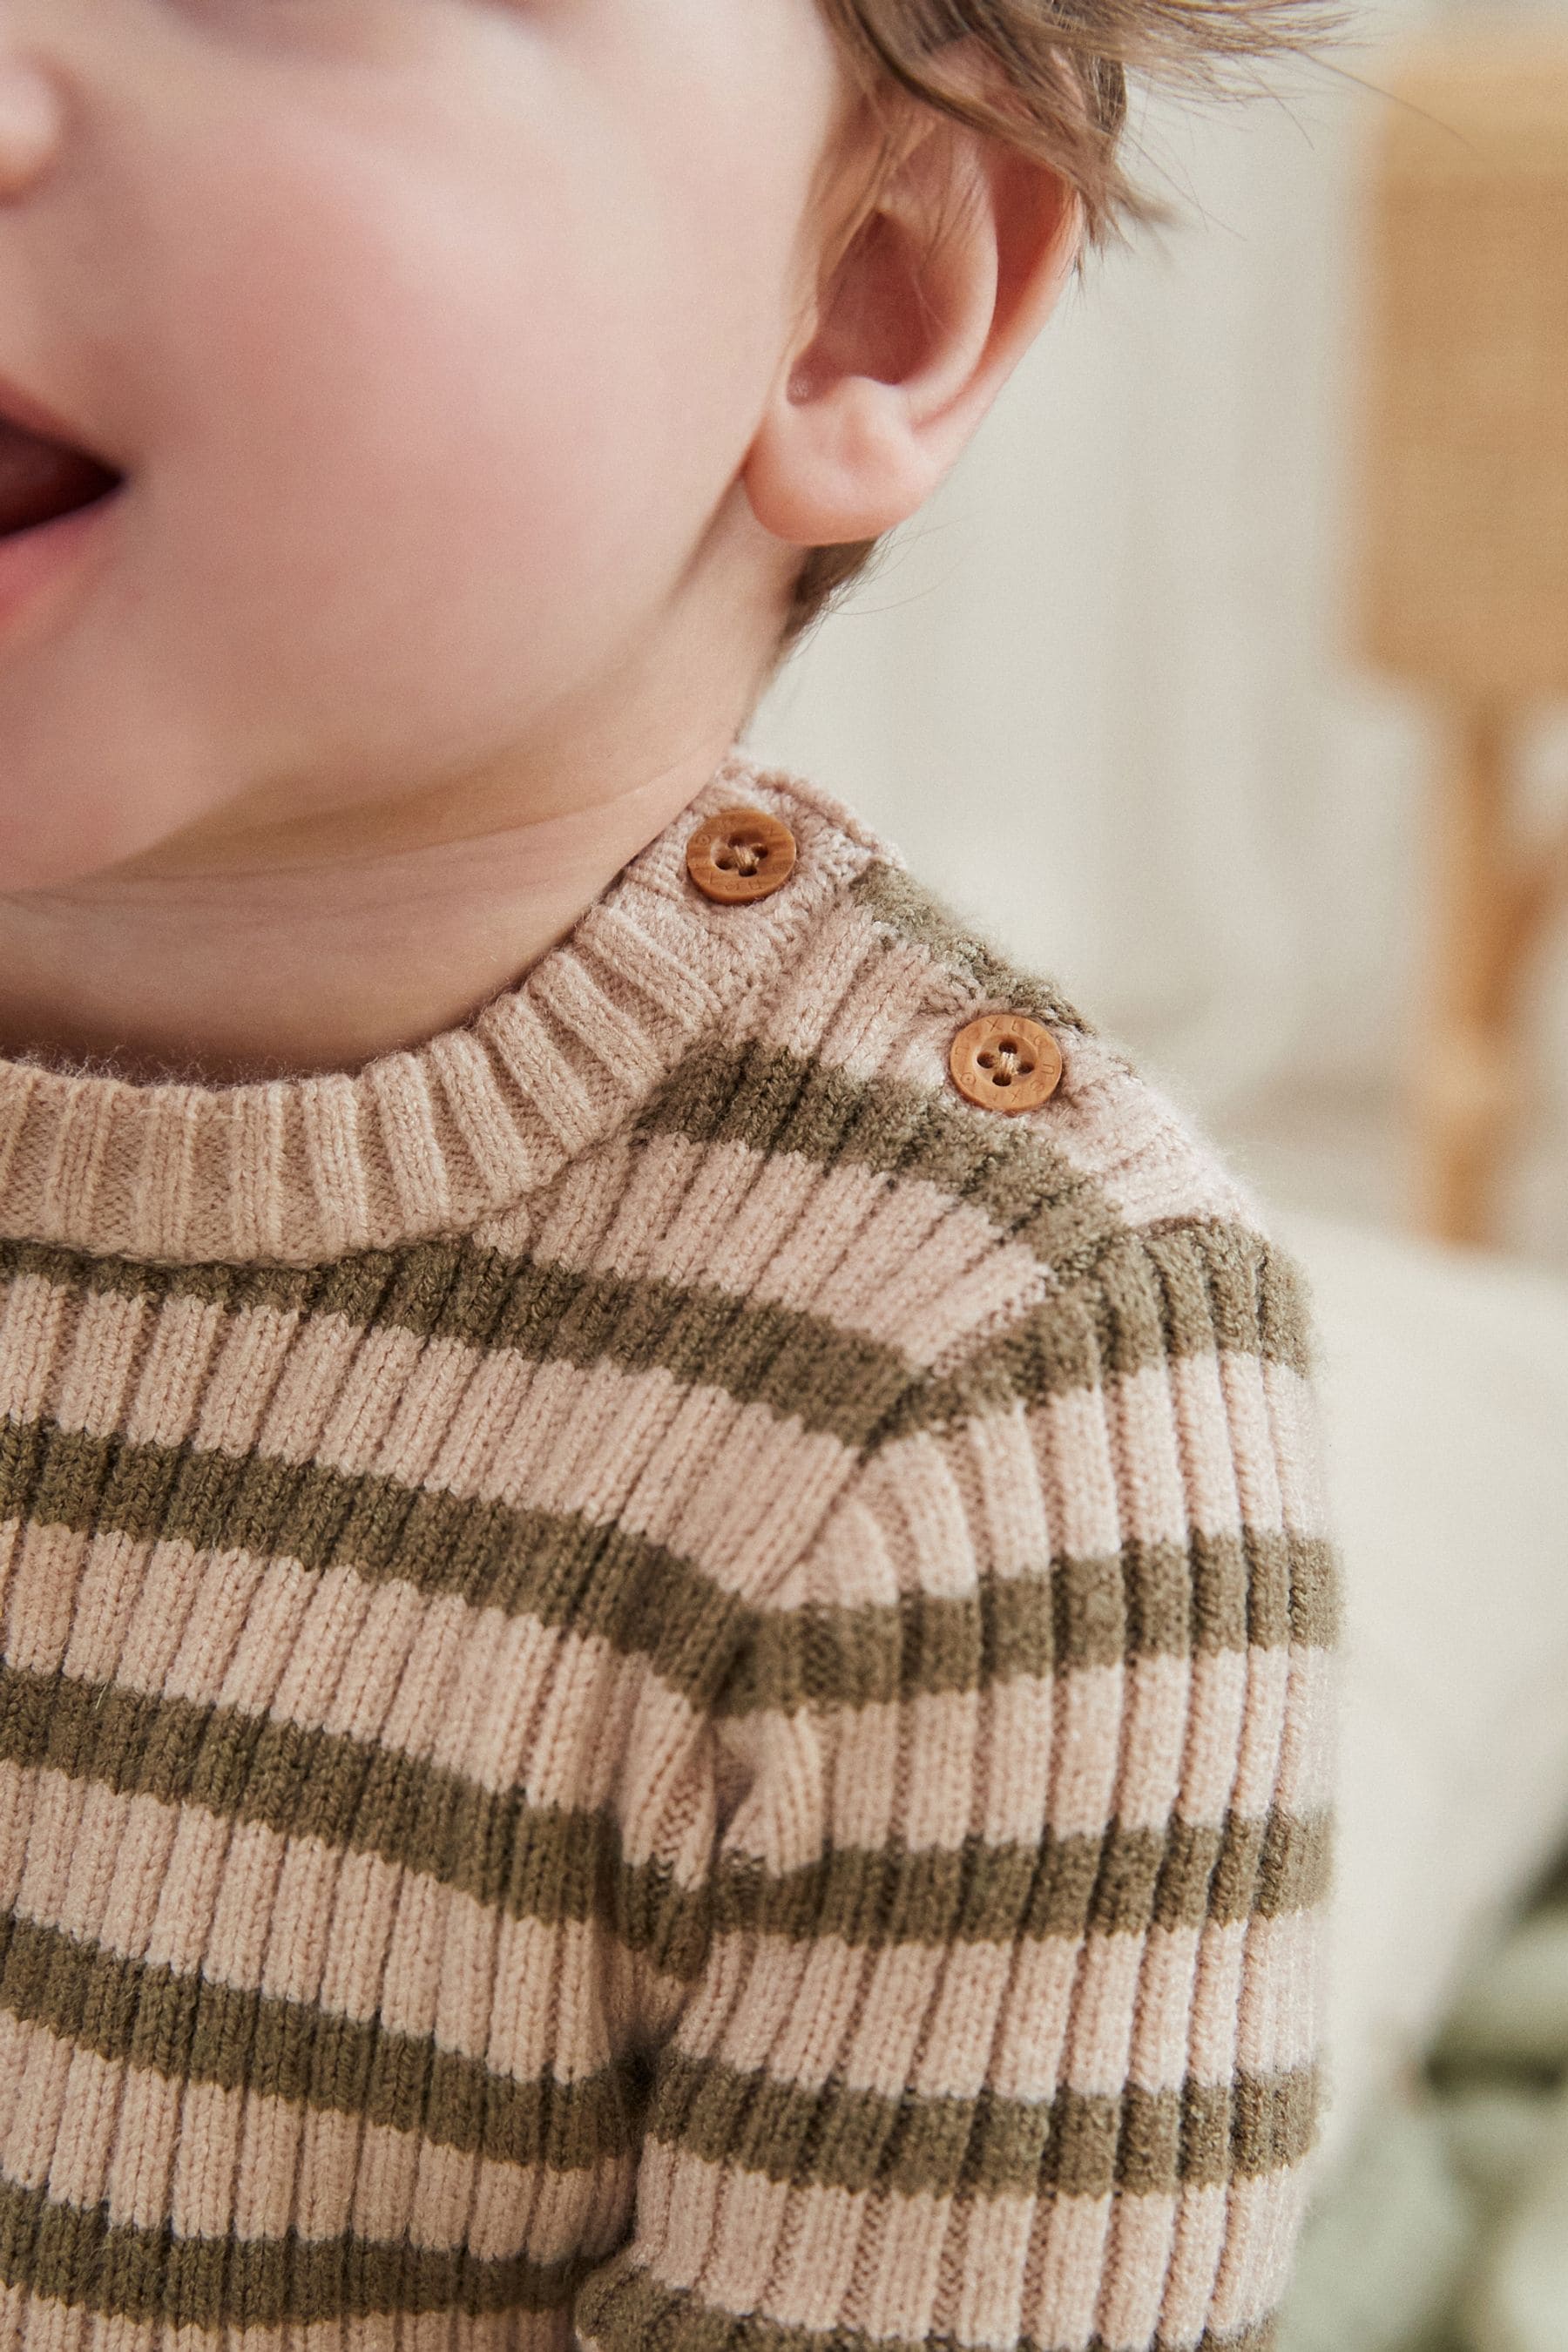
column 42, row 480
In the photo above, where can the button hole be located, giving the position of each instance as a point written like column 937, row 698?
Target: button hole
column 740, row 856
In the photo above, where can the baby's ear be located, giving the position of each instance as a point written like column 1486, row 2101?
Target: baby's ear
column 919, row 321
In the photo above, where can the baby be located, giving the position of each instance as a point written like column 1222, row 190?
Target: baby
column 666, row 1640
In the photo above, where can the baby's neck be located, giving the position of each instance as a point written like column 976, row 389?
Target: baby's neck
column 291, row 950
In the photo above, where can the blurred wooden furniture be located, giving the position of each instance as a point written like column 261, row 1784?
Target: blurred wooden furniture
column 1464, row 579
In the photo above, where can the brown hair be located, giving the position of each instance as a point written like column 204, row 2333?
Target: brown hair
column 1063, row 66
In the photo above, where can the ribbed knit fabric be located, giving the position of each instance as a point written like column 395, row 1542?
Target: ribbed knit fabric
column 661, row 1688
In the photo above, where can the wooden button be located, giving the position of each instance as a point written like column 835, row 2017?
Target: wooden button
column 740, row 855
column 1006, row 1061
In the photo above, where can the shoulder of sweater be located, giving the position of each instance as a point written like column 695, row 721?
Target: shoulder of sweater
column 948, row 1228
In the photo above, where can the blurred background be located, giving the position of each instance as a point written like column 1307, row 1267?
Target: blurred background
column 1226, row 680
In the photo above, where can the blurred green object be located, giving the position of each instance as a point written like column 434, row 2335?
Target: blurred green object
column 1513, row 2013
column 1499, row 2139
column 1446, row 2228
column 1385, row 2259
column 1520, row 2302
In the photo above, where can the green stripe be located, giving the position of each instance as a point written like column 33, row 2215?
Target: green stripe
column 553, row 1864
column 601, row 1581
column 186, row 2027
column 773, row 1102
column 547, row 1863
column 74, row 2255
column 1190, row 1290
column 570, row 1572
column 1081, row 2144
column 625, row 2309
column 802, row 1367
column 1152, row 1294
column 1122, row 1882
column 1216, row 1593
column 907, row 908
column 1138, row 1298
column 181, row 2024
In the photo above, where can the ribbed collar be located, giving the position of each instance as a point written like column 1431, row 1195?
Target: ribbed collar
column 433, row 1140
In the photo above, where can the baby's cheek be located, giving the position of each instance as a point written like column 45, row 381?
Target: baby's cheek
column 439, row 486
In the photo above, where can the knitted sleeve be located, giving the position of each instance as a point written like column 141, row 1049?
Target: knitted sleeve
column 1008, row 2033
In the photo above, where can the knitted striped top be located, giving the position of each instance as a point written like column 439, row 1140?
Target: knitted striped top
column 662, row 1689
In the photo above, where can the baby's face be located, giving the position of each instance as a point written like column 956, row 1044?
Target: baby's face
column 429, row 335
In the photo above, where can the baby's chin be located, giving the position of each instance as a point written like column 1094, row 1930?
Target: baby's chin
column 96, row 781
column 81, row 838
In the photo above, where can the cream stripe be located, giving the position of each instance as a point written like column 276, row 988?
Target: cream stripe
column 176, row 1886
column 1147, row 1458
column 510, row 1703
column 373, row 1660
column 813, row 2268
column 947, row 2021
column 1065, row 1754
column 898, row 2296
column 32, row 2106
column 1309, row 1745
column 1263, row 2215
column 1257, row 1779
column 443, row 1412
column 1152, row 1498
column 207, row 2160
column 1134, row 1141
column 744, row 1531
column 1033, row 2050
column 179, row 1891
column 170, row 1383
column 1138, row 2250
column 1088, row 1715
column 33, row 1312
column 589, row 1429
column 853, row 988
column 1104, row 2014
column 330, row 1651
column 993, row 1461
column 1297, row 1439
column 718, row 2232
column 1065, row 2266
column 1160, row 1694
column 888, row 2035
column 1105, row 1122
column 1216, row 2003
column 637, row 1448
column 979, row 2036
column 1201, row 2218
column 901, row 1262
column 1283, row 2001
column 989, row 2305
column 1079, row 1475
column 1251, row 1440
column 1209, row 1463
column 97, row 1353
column 1216, row 1728
column 1020, row 1718
column 928, row 1529
column 1159, row 2057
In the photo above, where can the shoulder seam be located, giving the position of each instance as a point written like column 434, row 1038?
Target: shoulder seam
column 1046, row 1348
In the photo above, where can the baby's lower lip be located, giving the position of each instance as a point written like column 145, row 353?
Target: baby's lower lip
column 32, row 561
